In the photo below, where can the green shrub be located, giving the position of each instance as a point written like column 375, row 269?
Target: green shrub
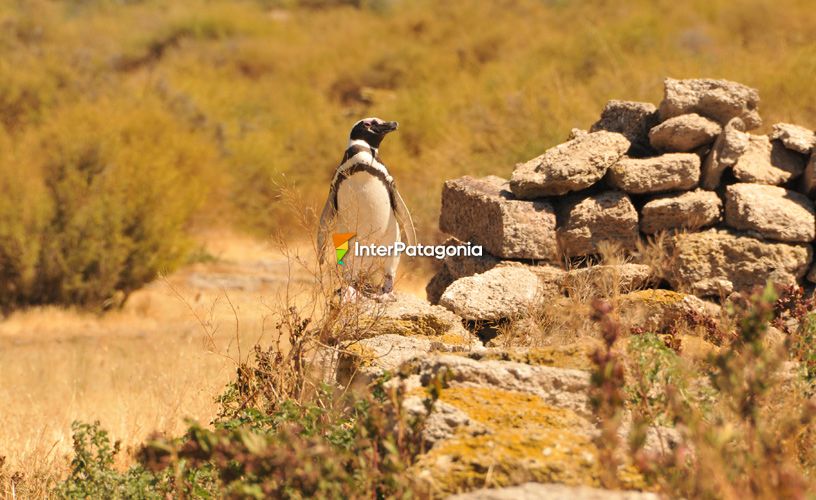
column 109, row 187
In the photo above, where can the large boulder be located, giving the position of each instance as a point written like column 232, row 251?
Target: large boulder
column 691, row 210
column 728, row 148
column 718, row 262
column 504, row 292
column 572, row 166
column 669, row 172
column 794, row 137
column 768, row 162
column 684, row 133
column 719, row 100
column 484, row 212
column 632, row 119
column 406, row 316
column 455, row 267
column 771, row 212
column 604, row 217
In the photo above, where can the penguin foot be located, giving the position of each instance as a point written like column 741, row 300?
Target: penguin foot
column 349, row 294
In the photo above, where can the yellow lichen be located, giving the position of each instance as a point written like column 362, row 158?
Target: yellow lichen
column 574, row 355
column 657, row 296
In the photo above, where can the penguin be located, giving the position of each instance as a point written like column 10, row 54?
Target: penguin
column 363, row 200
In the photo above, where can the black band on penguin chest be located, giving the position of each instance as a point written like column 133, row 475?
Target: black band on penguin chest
column 367, row 168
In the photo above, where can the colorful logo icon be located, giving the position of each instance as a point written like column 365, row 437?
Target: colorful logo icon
column 341, row 245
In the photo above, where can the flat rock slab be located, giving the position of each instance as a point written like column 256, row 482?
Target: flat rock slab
column 505, row 292
column 484, row 212
column 794, row 137
column 730, row 145
column 605, row 217
column 630, row 118
column 720, row 100
column 607, row 279
column 768, row 162
column 669, row 172
column 571, row 166
column 407, row 316
column 717, row 262
column 692, row 210
column 684, row 133
column 537, row 491
column 361, row 362
column 770, row 211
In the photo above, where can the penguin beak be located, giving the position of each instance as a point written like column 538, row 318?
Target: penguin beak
column 384, row 127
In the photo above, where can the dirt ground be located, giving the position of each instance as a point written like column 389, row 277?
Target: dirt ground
column 146, row 368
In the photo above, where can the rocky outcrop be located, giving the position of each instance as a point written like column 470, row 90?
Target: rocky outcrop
column 794, row 137
column 484, row 212
column 720, row 100
column 715, row 263
column 768, row 162
column 684, row 133
column 670, row 172
column 631, row 119
column 771, row 212
column 692, row 210
column 605, row 280
column 572, row 166
column 504, row 292
column 727, row 149
column 605, row 217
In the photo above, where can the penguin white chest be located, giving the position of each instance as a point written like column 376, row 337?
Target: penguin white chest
column 364, row 207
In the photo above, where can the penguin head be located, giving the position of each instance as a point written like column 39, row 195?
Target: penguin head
column 372, row 131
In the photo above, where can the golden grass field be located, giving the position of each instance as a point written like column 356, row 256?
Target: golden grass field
column 257, row 97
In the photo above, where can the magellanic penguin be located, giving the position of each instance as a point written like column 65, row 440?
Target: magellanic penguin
column 363, row 199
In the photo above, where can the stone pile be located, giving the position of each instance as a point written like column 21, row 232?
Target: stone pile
column 737, row 207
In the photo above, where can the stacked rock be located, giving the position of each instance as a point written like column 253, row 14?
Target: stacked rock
column 737, row 206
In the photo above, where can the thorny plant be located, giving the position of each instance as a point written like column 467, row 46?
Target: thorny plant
column 606, row 392
column 737, row 442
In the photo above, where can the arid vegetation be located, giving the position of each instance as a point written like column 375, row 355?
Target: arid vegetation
column 133, row 131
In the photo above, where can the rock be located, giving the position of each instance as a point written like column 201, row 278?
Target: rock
column 768, row 162
column 606, row 280
column 807, row 184
column 811, row 275
column 571, row 166
column 669, row 172
column 718, row 262
column 558, row 387
column 658, row 311
column 505, row 292
column 551, row 491
column 407, row 316
column 483, row 212
column 608, row 216
column 692, row 210
column 632, row 119
column 770, row 211
column 720, row 100
column 727, row 149
column 794, row 137
column 460, row 266
column 684, row 133
column 438, row 284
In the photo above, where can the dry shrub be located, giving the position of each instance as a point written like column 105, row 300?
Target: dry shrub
column 110, row 187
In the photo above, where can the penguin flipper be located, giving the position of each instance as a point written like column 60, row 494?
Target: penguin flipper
column 326, row 220
column 405, row 220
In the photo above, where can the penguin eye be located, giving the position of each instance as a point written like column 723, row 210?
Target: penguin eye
column 367, row 124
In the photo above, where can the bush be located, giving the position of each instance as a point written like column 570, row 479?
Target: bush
column 109, row 187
